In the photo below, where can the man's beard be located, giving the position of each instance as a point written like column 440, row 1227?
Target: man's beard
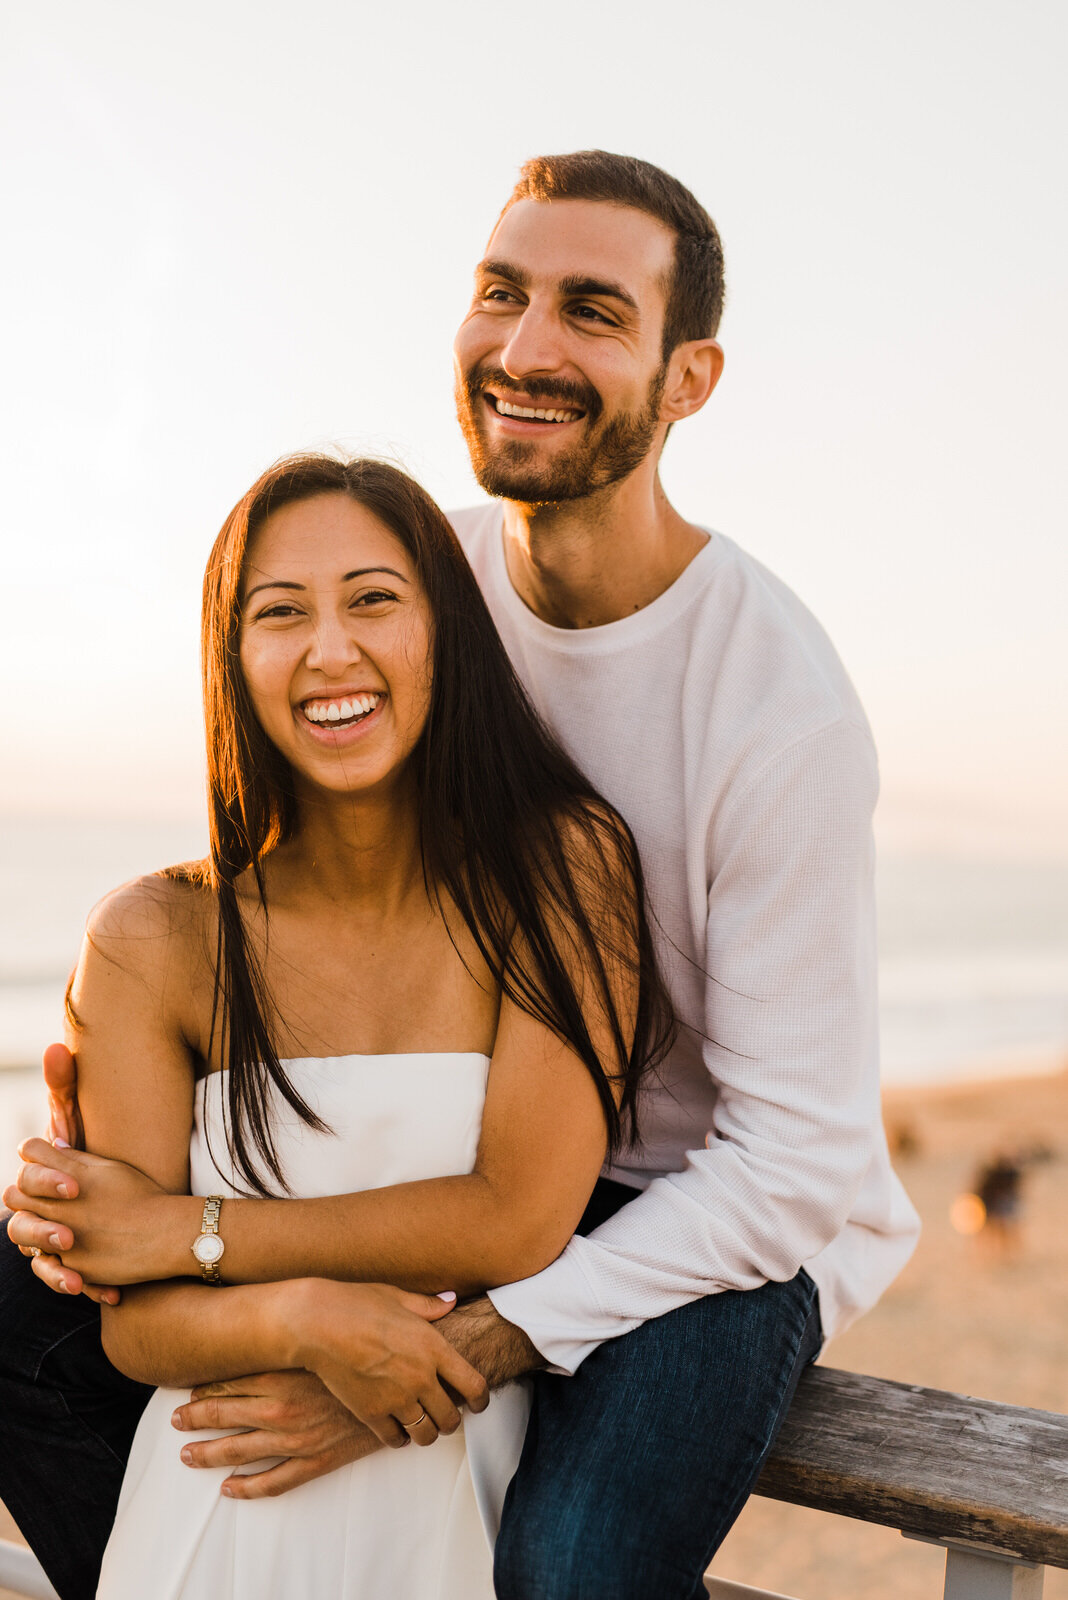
column 511, row 470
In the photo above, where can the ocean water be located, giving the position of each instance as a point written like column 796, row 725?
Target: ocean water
column 973, row 953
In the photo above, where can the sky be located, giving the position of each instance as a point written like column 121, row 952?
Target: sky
column 238, row 229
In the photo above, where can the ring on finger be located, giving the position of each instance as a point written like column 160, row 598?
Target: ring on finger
column 34, row 1250
column 408, row 1426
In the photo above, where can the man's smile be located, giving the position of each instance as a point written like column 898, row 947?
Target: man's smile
column 519, row 414
column 533, row 413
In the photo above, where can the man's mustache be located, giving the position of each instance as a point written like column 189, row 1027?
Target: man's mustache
column 553, row 391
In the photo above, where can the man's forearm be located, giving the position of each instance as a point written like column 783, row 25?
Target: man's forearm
column 496, row 1348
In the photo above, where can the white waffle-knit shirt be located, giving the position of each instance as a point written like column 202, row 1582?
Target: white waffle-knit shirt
column 721, row 724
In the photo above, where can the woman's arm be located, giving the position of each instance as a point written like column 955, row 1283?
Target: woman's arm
column 541, row 1148
column 542, row 1145
column 371, row 1344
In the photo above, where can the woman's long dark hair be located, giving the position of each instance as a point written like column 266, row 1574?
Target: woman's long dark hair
column 511, row 832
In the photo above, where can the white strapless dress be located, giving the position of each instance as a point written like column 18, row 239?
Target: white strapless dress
column 418, row 1523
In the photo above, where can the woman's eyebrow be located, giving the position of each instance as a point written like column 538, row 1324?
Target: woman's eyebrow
column 359, row 572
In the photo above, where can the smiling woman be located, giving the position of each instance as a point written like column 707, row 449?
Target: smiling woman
column 384, row 1035
column 331, row 581
column 330, row 654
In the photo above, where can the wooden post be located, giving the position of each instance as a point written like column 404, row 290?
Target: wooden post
column 724, row 1589
column 21, row 1573
column 978, row 1575
column 982, row 1572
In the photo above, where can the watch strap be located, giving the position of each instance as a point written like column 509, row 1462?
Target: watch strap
column 209, row 1270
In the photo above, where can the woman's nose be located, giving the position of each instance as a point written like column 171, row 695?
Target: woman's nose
column 334, row 647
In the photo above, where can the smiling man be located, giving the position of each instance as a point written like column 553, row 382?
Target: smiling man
column 577, row 354
column 760, row 1213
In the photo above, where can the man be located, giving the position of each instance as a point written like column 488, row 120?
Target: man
column 761, row 1213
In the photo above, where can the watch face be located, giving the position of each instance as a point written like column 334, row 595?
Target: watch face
column 208, row 1248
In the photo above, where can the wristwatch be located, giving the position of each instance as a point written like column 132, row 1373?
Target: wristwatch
column 208, row 1246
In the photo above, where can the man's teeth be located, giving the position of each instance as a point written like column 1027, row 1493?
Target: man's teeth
column 540, row 414
column 340, row 710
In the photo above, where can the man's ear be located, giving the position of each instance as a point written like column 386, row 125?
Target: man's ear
column 693, row 371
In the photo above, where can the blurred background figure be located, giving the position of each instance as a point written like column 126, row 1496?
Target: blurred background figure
column 993, row 1210
column 999, row 1189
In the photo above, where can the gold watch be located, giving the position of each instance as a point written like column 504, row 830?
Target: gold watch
column 208, row 1246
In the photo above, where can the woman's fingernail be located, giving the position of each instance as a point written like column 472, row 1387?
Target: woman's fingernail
column 227, row 1491
column 187, row 1456
column 447, row 1294
column 176, row 1420
column 55, row 1241
column 60, row 1144
column 61, row 1189
column 63, row 1286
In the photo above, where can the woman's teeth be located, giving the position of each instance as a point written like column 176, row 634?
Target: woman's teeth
column 506, row 409
column 340, row 711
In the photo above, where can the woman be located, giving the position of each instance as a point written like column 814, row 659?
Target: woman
column 416, row 965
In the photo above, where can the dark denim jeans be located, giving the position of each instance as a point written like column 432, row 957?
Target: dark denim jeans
column 67, row 1420
column 632, row 1472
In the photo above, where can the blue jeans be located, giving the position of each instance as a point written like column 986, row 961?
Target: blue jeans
column 631, row 1475
column 634, row 1469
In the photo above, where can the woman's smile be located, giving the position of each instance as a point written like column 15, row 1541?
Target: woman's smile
column 335, row 719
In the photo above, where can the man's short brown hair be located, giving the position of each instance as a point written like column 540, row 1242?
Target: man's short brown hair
column 695, row 291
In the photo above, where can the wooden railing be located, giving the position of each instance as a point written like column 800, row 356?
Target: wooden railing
column 987, row 1481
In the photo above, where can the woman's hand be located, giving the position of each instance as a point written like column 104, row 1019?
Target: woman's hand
column 108, row 1221
column 373, row 1347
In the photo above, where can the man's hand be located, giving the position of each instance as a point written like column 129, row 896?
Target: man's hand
column 293, row 1414
column 290, row 1414
column 61, row 1080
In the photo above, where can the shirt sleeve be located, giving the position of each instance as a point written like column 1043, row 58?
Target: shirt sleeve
column 791, row 1043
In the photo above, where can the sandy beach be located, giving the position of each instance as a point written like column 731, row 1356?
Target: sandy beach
column 960, row 1317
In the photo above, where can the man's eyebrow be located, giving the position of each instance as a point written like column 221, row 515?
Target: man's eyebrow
column 573, row 283
column 576, row 283
column 358, row 572
column 503, row 269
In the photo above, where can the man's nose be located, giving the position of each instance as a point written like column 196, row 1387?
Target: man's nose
column 534, row 344
column 334, row 647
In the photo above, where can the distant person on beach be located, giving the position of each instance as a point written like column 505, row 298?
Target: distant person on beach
column 708, row 706
column 999, row 1186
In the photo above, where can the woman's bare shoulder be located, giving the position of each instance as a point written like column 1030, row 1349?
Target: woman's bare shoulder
column 156, row 921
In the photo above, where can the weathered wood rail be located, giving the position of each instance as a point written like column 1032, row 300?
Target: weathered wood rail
column 988, row 1481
